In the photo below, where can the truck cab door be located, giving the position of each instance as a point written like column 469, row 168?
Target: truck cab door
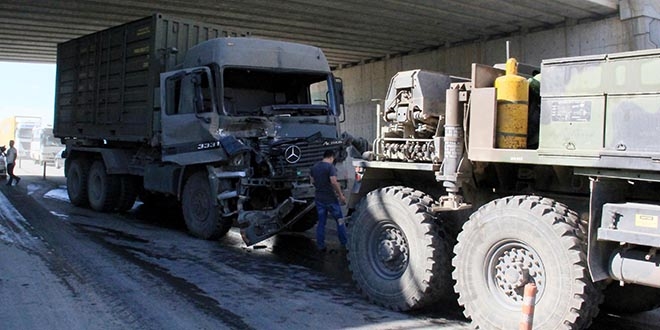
column 189, row 117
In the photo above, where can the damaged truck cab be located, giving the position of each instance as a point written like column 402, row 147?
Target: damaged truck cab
column 260, row 113
column 230, row 126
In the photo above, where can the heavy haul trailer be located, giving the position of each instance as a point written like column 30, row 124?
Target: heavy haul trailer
column 228, row 125
column 574, row 209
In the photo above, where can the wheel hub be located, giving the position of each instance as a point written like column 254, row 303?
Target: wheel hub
column 392, row 251
column 389, row 251
column 514, row 267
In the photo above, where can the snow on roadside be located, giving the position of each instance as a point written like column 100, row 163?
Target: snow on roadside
column 13, row 226
column 60, row 194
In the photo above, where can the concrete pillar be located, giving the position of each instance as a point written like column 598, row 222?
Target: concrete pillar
column 642, row 19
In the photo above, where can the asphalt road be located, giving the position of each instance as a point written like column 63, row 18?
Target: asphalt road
column 63, row 267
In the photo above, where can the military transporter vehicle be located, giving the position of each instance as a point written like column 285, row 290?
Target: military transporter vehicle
column 180, row 111
column 574, row 210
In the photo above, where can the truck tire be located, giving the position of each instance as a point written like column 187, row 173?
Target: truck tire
column 630, row 298
column 398, row 255
column 128, row 191
column 199, row 211
column 76, row 182
column 102, row 189
column 524, row 239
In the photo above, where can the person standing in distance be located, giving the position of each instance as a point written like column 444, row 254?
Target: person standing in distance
column 327, row 198
column 11, row 163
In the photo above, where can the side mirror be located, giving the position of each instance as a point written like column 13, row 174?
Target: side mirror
column 339, row 97
column 339, row 91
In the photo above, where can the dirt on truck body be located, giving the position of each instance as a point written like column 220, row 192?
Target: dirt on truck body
column 496, row 181
column 179, row 111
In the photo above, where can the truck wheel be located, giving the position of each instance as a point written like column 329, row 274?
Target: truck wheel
column 102, row 189
column 398, row 255
column 630, row 298
column 128, row 191
column 518, row 240
column 201, row 215
column 76, row 182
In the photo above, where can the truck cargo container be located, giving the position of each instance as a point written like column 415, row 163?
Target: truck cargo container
column 227, row 125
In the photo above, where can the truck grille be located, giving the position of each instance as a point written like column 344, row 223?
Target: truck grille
column 297, row 158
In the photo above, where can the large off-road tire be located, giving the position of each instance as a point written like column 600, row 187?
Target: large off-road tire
column 199, row 210
column 76, row 182
column 398, row 254
column 128, row 191
column 102, row 188
column 630, row 298
column 518, row 240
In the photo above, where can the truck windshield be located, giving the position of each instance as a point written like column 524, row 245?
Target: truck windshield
column 250, row 92
column 24, row 133
column 49, row 140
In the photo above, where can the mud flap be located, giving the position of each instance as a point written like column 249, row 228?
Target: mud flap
column 257, row 226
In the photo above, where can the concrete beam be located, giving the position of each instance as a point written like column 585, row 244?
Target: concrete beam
column 642, row 18
column 613, row 4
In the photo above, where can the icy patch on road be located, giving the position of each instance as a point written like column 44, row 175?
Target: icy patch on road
column 60, row 215
column 31, row 188
column 13, row 226
column 59, row 194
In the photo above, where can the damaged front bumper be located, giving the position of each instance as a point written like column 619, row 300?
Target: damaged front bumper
column 257, row 226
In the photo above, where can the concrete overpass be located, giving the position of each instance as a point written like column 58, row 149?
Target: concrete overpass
column 366, row 41
column 349, row 31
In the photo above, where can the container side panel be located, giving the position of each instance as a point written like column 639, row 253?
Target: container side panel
column 97, row 76
column 106, row 81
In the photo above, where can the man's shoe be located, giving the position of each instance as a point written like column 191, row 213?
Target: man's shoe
column 18, row 180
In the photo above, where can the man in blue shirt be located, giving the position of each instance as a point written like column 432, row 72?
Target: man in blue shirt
column 327, row 198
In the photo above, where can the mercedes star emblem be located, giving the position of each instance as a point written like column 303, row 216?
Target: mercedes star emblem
column 292, row 154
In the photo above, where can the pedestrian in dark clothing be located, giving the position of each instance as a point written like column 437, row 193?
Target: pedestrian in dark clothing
column 327, row 198
column 11, row 156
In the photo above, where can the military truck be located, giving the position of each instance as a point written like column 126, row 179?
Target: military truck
column 178, row 111
column 572, row 206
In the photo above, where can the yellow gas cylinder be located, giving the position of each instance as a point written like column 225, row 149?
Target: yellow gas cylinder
column 512, row 108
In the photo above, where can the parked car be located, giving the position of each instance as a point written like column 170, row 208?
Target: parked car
column 59, row 158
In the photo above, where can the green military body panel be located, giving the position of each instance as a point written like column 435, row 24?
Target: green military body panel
column 572, row 124
column 596, row 105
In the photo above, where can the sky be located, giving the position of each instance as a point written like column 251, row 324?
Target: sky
column 27, row 89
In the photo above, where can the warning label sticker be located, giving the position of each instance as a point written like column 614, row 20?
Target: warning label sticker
column 646, row 221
